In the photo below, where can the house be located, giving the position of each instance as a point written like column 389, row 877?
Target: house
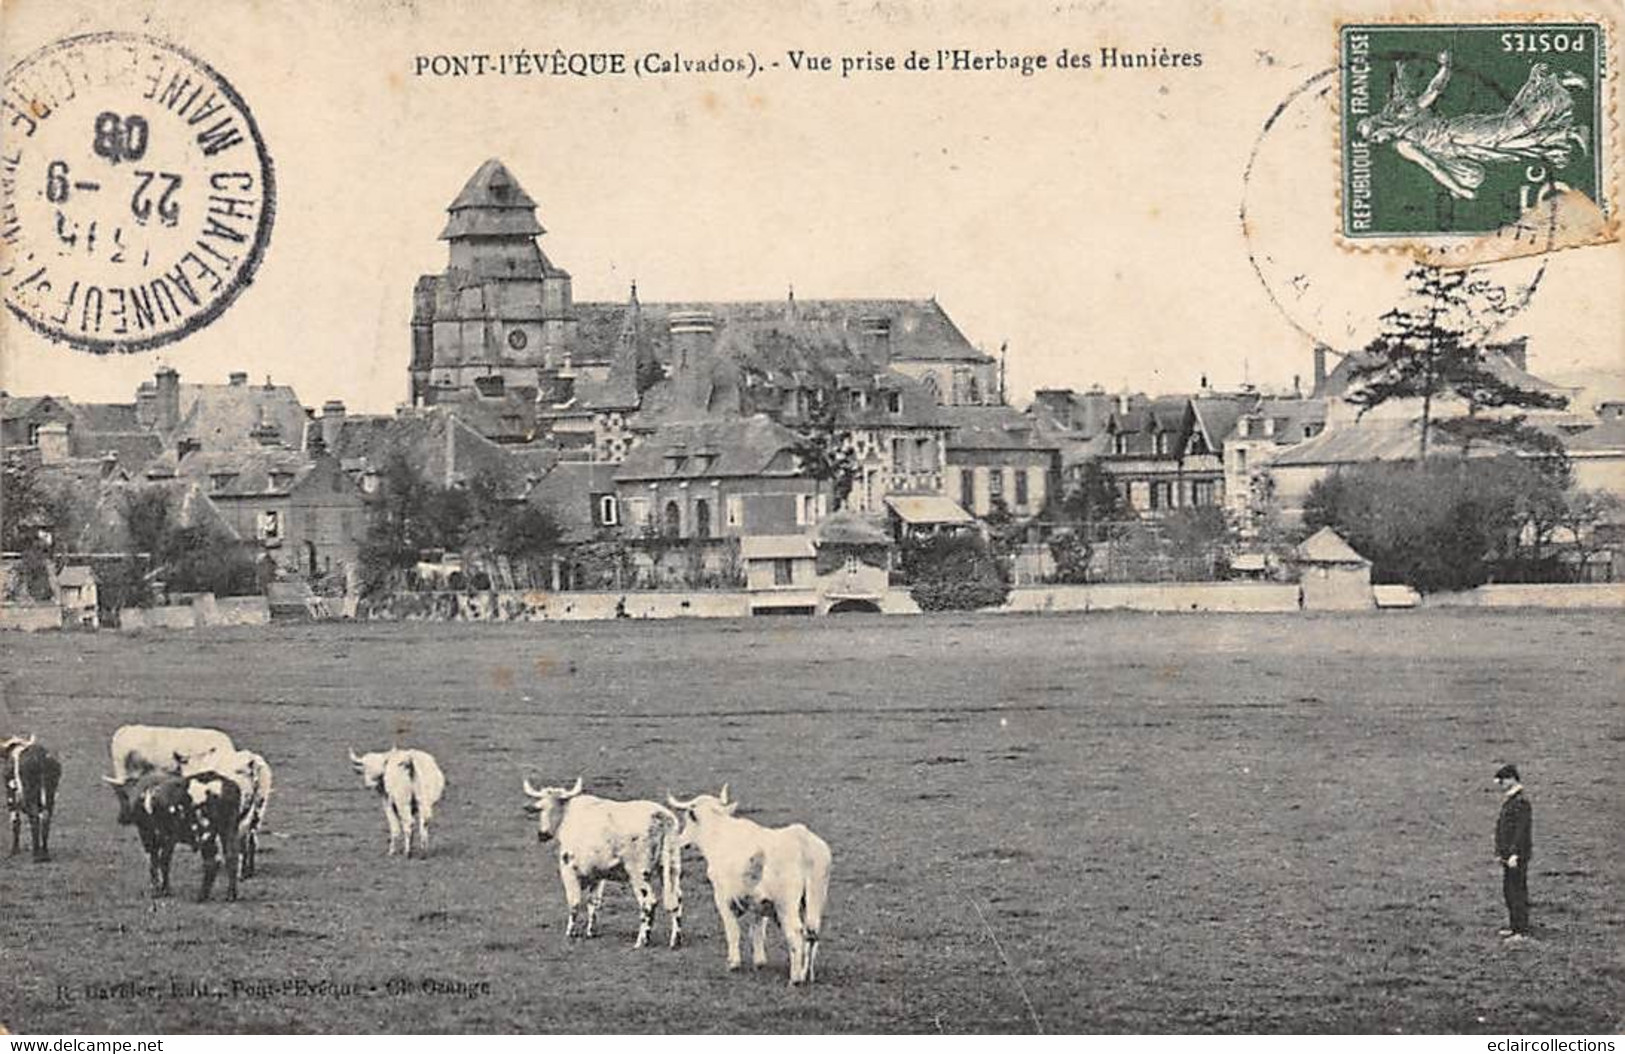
column 998, row 457
column 1260, row 433
column 1166, row 452
column 305, row 515
column 76, row 595
column 717, row 479
column 845, row 566
column 1332, row 576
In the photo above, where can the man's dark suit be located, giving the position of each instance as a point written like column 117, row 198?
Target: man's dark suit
column 1513, row 838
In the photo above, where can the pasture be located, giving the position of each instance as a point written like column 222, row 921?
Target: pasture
column 1089, row 823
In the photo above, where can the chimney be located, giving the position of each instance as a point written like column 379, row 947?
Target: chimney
column 332, row 422
column 1320, row 371
column 239, row 379
column 266, row 433
column 692, row 333
column 54, row 446
column 1297, row 386
column 167, row 399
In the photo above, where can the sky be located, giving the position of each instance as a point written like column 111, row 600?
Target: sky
column 1087, row 219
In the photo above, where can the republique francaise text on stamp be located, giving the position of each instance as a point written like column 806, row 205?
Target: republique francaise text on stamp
column 136, row 193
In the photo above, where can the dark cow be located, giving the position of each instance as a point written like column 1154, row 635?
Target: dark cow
column 200, row 810
column 31, row 775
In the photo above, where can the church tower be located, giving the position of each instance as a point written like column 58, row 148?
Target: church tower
column 501, row 311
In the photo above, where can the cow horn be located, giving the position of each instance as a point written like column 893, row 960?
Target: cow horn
column 355, row 759
column 532, row 791
column 111, row 782
column 675, row 804
column 573, row 791
column 723, row 797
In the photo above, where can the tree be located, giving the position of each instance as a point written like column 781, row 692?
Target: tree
column 954, row 572
column 1090, row 514
column 1581, row 513
column 31, row 512
column 188, row 558
column 1430, row 346
column 825, row 452
column 1443, row 525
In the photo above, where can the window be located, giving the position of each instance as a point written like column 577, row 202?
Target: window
column 674, row 520
column 1242, row 427
column 894, row 401
column 638, row 510
column 784, row 572
column 33, row 435
column 995, row 484
column 853, row 564
column 270, row 525
column 899, row 455
column 1120, row 443
column 1162, row 495
column 1021, row 488
column 1241, row 459
column 967, row 486
column 735, row 510
column 702, row 519
column 609, row 513
column 1202, row 492
column 1163, row 443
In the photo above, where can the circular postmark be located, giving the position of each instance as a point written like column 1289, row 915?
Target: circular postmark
column 136, row 193
column 1334, row 295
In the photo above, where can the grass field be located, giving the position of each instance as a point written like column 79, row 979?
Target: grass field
column 1083, row 823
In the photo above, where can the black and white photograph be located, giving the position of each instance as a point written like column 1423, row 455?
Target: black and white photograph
column 917, row 517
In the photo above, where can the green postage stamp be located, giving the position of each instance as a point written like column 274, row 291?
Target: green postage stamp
column 1458, row 130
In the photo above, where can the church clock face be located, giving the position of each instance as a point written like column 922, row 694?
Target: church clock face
column 517, row 339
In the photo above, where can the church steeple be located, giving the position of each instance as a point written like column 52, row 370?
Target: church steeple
column 492, row 204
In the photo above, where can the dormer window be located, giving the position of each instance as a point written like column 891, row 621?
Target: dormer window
column 894, row 402
column 221, row 480
column 280, row 480
column 1120, row 443
column 1244, row 427
column 1161, row 443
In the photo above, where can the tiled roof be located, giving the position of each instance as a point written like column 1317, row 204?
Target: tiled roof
column 994, row 428
column 439, row 445
column 1326, row 546
column 1374, row 440
column 106, row 417
column 224, row 416
column 492, row 203
column 754, row 446
column 237, row 473
column 566, row 493
column 104, row 529
column 1216, row 415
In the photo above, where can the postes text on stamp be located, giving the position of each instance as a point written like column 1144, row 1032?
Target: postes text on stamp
column 136, row 194
column 1459, row 130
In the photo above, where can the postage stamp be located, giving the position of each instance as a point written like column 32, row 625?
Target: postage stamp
column 136, row 193
column 1460, row 130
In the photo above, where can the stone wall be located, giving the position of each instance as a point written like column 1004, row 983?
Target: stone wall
column 30, row 617
column 1556, row 595
column 1157, row 596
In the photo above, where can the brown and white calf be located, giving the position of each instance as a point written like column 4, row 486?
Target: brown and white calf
column 777, row 872
column 411, row 783
column 30, row 774
column 200, row 810
column 602, row 840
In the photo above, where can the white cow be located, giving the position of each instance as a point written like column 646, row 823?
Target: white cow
column 779, row 872
column 139, row 749
column 601, row 839
column 411, row 784
column 252, row 774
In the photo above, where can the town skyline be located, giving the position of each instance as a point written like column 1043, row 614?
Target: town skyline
column 1054, row 214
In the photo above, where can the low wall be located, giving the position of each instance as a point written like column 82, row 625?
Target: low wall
column 237, row 611
column 1261, row 597
column 176, row 616
column 30, row 617
column 1579, row 596
column 543, row 606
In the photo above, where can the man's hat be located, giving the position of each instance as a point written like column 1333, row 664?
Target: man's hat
column 1507, row 772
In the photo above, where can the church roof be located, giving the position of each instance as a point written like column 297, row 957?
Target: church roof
column 492, row 204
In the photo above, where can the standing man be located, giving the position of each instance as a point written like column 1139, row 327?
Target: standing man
column 1513, row 845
